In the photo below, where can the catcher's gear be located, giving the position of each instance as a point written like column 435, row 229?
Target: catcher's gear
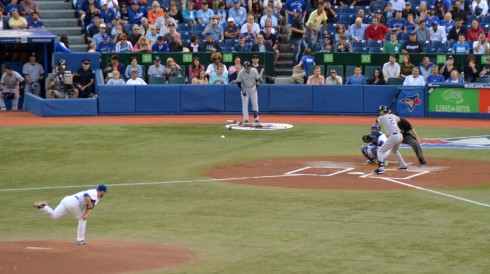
column 375, row 127
column 367, row 138
column 383, row 108
column 61, row 62
column 8, row 95
column 244, row 93
column 247, row 65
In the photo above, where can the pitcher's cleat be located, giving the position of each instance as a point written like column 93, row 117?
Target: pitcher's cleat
column 80, row 242
column 40, row 204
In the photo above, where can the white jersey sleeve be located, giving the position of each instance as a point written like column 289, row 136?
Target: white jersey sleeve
column 91, row 193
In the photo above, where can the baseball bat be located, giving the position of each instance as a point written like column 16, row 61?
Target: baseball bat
column 398, row 91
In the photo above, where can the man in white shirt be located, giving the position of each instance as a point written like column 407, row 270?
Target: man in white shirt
column 391, row 69
column 135, row 80
column 250, row 20
column 415, row 79
column 481, row 5
column 437, row 33
column 398, row 4
column 334, row 78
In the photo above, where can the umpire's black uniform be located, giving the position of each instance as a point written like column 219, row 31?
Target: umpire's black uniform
column 408, row 138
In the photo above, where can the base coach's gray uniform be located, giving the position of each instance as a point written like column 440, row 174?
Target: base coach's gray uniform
column 249, row 85
column 35, row 72
column 11, row 83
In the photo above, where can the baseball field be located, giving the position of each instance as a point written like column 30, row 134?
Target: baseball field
column 184, row 200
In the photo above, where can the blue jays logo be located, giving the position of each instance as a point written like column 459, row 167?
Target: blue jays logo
column 411, row 101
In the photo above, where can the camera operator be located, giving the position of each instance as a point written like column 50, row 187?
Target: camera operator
column 9, row 87
column 86, row 79
column 33, row 73
column 58, row 87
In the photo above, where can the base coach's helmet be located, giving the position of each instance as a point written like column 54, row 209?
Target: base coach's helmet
column 383, row 108
column 247, row 65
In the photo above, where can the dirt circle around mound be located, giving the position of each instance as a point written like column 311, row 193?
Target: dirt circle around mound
column 94, row 257
column 352, row 173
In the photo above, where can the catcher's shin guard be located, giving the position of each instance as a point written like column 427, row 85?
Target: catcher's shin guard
column 364, row 152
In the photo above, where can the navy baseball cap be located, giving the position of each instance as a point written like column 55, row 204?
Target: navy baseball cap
column 86, row 61
column 102, row 187
column 105, row 36
column 434, row 23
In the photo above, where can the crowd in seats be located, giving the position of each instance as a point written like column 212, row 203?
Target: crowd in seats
column 23, row 15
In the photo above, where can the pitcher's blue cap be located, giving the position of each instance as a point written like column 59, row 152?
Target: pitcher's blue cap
column 102, row 187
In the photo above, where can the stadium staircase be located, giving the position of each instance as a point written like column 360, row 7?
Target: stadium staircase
column 60, row 17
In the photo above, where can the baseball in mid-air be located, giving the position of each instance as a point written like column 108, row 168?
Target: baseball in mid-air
column 222, row 136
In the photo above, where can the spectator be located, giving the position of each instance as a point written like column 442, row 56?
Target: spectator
column 256, row 65
column 358, row 30
column 155, row 12
column 143, row 45
column 462, row 46
column 144, row 27
column 157, row 69
column 117, row 31
column 376, row 31
column 397, row 24
column 241, row 46
column 16, row 21
column 152, row 36
column 173, row 69
column 86, row 80
column 408, row 10
column 316, row 27
column 135, row 36
column 172, row 34
column 209, row 45
column 343, row 45
column 124, row 13
column 237, row 65
column 435, row 77
column 163, row 21
column 474, row 32
column 205, row 14
column 297, row 34
column 357, row 78
column 216, row 59
column 133, row 66
column 398, row 5
column 194, row 45
column 238, row 13
column 471, row 71
column 63, row 45
column 220, row 11
column 481, row 46
column 340, row 30
column 376, row 5
column 300, row 71
column 391, row 69
column 455, row 78
column 334, row 78
column 250, row 36
column 393, row 46
column 437, row 33
column 35, row 23
column 219, row 76
column 196, row 67
column 174, row 13
column 28, row 7
column 317, row 77
column 114, row 66
column 485, row 72
column 479, row 7
column 250, row 21
column 106, row 45
column 458, row 13
column 331, row 14
column 406, row 67
column 413, row 45
column 293, row 8
column 136, row 13
column 328, row 45
column 200, row 78
column 189, row 14
column 261, row 46
column 215, row 29
column 448, row 67
column 14, row 5
column 88, row 10
column 176, row 45
column 448, row 22
column 10, row 82
column 107, row 14
column 271, row 39
column 361, row 15
column 135, row 79
column 269, row 15
column 423, row 34
column 378, row 78
column 255, row 7
column 116, row 79
column 415, row 79
column 33, row 74
column 231, row 31
column 412, row 24
column 97, row 38
column 455, row 31
column 431, row 16
column 2, row 26
column 388, row 12
column 425, row 67
column 124, row 45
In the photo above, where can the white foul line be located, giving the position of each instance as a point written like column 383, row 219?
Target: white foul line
column 297, row 170
column 435, row 192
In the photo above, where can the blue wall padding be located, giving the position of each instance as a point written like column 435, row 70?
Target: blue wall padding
column 374, row 96
column 342, row 99
column 203, row 98
column 34, row 103
column 74, row 59
column 158, row 98
column 61, row 107
column 117, row 99
column 411, row 102
column 290, row 98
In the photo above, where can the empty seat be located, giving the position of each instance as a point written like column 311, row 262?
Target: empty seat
column 156, row 80
column 176, row 80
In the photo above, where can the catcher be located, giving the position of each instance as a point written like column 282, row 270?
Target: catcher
column 373, row 141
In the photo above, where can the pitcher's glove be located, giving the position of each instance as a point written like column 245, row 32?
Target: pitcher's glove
column 367, row 138
column 244, row 93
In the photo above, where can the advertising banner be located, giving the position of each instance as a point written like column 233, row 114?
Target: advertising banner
column 456, row 100
column 410, row 102
column 484, row 100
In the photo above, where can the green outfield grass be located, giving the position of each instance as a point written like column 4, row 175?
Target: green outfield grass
column 238, row 228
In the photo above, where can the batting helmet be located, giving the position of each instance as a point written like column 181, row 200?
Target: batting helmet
column 375, row 127
column 8, row 95
column 247, row 65
column 383, row 108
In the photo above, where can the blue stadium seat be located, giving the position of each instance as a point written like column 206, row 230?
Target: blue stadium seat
column 359, row 44
column 451, row 43
column 444, row 50
column 405, row 36
column 486, row 19
column 375, row 49
column 198, row 27
column 230, row 42
column 374, row 43
column 345, row 19
column 485, row 27
column 430, row 50
column 184, row 27
column 198, row 33
column 346, row 10
column 331, row 27
column 438, row 44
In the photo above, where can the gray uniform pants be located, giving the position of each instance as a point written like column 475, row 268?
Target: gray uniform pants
column 252, row 94
column 392, row 143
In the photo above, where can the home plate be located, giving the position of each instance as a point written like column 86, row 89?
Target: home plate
column 356, row 173
column 38, row 248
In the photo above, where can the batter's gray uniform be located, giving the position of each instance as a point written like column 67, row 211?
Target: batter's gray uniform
column 249, row 85
column 11, row 83
column 390, row 127
column 34, row 71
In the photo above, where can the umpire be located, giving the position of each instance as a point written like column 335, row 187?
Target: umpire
column 410, row 138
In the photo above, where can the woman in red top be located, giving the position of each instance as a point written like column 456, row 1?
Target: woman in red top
column 195, row 67
column 474, row 32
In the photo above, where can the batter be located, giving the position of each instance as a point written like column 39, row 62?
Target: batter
column 247, row 81
column 79, row 205
column 389, row 123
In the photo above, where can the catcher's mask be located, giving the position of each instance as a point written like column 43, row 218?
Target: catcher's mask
column 375, row 128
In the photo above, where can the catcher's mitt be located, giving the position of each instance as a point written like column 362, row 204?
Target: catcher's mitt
column 367, row 138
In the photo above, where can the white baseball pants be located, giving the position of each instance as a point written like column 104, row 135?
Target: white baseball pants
column 69, row 204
